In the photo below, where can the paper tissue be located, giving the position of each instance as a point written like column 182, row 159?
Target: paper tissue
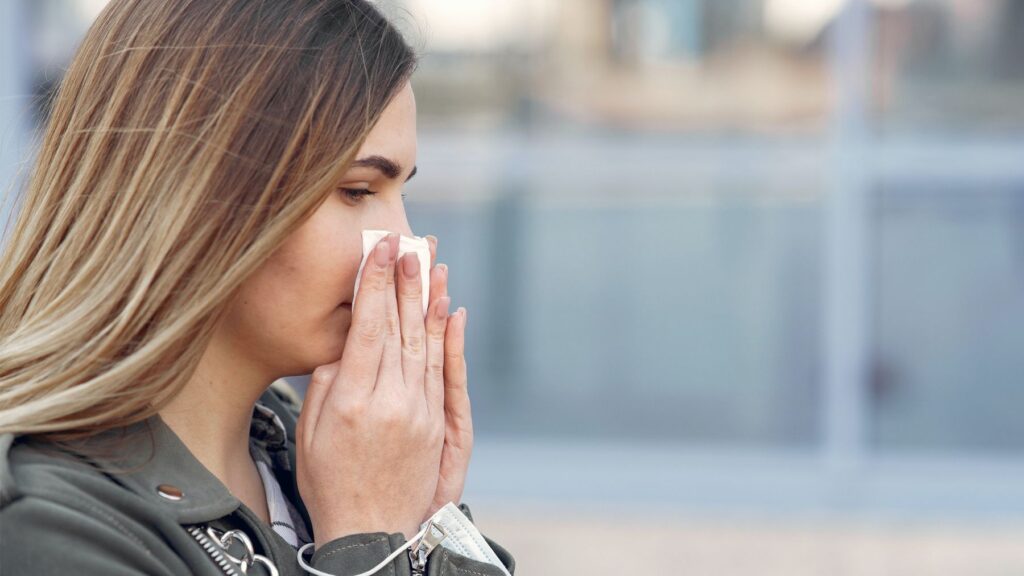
column 415, row 244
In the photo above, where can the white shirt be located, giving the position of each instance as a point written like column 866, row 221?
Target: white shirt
column 280, row 519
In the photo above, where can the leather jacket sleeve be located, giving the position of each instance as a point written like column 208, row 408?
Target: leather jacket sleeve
column 358, row 553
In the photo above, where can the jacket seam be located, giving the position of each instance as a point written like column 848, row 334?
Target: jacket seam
column 95, row 509
column 367, row 543
column 391, row 567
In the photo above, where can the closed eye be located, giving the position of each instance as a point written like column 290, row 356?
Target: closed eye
column 357, row 194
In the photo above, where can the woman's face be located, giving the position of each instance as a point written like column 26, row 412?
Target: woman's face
column 293, row 314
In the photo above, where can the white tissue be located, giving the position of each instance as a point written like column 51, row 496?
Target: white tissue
column 405, row 244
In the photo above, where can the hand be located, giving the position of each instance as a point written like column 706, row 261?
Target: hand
column 371, row 431
column 458, row 434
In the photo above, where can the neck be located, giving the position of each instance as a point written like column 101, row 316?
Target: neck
column 213, row 412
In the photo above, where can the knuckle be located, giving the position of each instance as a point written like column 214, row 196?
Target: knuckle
column 375, row 278
column 411, row 290
column 412, row 344
column 435, row 370
column 391, row 414
column 413, row 301
column 436, row 330
column 322, row 375
column 350, row 412
column 369, row 333
column 421, row 425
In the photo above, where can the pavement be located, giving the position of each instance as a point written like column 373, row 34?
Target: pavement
column 547, row 543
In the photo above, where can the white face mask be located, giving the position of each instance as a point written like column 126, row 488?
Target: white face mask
column 405, row 244
column 456, row 533
column 448, row 527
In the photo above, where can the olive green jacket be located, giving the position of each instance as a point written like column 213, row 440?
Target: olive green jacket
column 153, row 508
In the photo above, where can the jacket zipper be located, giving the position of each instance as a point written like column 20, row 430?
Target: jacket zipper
column 213, row 550
column 426, row 545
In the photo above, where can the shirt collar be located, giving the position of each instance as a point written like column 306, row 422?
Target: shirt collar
column 154, row 463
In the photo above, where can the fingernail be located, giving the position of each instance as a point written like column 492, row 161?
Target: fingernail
column 442, row 306
column 443, row 268
column 380, row 253
column 410, row 265
column 433, row 239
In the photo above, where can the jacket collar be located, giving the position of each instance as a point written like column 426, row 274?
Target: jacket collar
column 153, row 462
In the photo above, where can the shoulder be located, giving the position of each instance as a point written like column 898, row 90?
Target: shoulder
column 34, row 469
column 51, row 501
column 33, row 527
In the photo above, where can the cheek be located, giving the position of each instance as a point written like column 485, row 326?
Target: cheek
column 304, row 285
column 317, row 265
column 267, row 310
column 289, row 310
column 286, row 319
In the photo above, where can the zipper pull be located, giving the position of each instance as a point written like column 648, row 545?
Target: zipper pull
column 426, row 545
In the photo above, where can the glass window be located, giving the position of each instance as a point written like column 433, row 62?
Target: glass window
column 949, row 267
column 624, row 279
column 949, row 66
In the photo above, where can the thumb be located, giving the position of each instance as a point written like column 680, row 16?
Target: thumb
column 319, row 384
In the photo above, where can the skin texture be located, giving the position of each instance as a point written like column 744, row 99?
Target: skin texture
column 385, row 434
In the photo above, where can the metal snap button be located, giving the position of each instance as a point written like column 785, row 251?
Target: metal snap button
column 170, row 492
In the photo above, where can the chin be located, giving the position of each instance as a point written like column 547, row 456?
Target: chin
column 323, row 352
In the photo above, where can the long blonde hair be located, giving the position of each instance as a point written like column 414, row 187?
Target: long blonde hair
column 186, row 141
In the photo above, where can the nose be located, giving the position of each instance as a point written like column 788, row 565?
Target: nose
column 398, row 223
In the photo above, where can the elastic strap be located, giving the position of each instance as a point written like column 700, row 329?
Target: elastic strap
column 373, row 570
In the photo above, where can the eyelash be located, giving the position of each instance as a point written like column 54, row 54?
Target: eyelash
column 357, row 194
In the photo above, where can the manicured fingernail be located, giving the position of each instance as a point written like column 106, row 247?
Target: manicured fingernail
column 432, row 239
column 442, row 306
column 380, row 253
column 411, row 265
column 443, row 268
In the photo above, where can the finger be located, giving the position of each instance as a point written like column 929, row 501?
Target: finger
column 410, row 312
column 438, row 276
column 391, row 358
column 456, row 391
column 435, row 272
column 364, row 345
column 437, row 321
column 432, row 242
column 443, row 291
column 309, row 415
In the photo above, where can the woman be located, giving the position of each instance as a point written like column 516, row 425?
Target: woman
column 189, row 234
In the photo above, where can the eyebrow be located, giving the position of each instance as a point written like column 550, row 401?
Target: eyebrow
column 386, row 167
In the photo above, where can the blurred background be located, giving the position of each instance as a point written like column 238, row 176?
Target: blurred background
column 745, row 277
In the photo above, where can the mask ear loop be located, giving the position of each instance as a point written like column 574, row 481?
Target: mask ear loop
column 373, row 570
